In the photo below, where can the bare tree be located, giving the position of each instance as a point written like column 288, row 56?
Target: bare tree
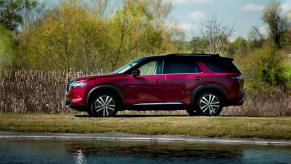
column 100, row 8
column 216, row 34
column 160, row 11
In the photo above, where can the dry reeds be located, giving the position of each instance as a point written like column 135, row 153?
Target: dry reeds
column 258, row 104
column 34, row 91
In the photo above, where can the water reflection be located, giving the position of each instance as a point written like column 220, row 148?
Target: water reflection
column 154, row 149
column 79, row 157
column 79, row 152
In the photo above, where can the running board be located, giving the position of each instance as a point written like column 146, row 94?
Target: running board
column 162, row 103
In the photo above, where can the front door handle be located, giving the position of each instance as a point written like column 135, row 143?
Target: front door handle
column 197, row 78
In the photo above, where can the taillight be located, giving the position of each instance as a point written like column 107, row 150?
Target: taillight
column 240, row 79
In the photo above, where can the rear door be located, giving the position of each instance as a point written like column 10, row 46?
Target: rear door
column 182, row 76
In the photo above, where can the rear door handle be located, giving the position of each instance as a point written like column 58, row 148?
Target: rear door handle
column 156, row 80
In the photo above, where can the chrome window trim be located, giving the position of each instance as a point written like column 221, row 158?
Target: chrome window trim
column 172, row 74
column 182, row 73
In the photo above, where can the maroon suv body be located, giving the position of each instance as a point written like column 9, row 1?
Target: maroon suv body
column 201, row 84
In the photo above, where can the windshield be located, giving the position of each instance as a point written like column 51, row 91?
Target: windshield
column 126, row 67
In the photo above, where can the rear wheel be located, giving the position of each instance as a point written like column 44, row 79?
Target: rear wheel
column 209, row 104
column 104, row 104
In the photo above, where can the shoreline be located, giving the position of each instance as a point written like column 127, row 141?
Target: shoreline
column 116, row 136
column 270, row 128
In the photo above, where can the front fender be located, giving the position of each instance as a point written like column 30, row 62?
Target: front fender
column 109, row 88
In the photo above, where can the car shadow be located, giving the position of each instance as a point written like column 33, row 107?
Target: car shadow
column 157, row 115
column 132, row 116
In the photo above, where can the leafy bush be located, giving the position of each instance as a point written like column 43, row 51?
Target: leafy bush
column 8, row 48
column 264, row 69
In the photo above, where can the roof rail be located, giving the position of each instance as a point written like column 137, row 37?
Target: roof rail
column 201, row 54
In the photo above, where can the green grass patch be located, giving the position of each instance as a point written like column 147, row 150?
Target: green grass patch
column 232, row 127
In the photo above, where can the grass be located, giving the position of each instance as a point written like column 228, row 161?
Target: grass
column 230, row 127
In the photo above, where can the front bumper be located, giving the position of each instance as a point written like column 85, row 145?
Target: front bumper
column 76, row 106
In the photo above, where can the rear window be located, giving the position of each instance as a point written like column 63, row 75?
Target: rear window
column 222, row 66
column 176, row 66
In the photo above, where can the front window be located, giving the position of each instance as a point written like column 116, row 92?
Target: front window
column 126, row 67
column 149, row 68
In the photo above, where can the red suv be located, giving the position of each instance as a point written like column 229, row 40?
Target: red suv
column 201, row 84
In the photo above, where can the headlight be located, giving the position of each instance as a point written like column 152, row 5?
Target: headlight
column 78, row 84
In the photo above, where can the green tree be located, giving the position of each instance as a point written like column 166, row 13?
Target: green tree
column 67, row 38
column 199, row 45
column 8, row 49
column 12, row 12
column 71, row 36
column 238, row 47
column 277, row 23
column 138, row 29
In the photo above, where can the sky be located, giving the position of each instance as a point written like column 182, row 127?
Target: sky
column 242, row 15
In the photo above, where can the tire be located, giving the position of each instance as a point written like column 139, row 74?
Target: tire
column 209, row 104
column 104, row 104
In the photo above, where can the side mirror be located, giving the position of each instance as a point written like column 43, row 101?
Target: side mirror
column 135, row 73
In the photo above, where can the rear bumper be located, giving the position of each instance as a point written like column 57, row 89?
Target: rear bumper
column 238, row 102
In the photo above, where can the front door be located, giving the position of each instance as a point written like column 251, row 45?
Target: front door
column 146, row 88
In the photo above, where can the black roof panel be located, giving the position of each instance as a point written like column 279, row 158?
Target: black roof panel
column 190, row 55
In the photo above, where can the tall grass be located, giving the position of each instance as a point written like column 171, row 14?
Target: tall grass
column 44, row 92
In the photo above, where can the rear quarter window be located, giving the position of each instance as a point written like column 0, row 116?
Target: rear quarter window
column 176, row 66
column 222, row 66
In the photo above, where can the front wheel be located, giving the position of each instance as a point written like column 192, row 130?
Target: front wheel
column 209, row 104
column 104, row 105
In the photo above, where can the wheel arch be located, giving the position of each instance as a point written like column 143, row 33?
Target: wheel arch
column 104, row 88
column 208, row 87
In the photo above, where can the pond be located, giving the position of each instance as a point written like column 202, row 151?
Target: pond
column 110, row 151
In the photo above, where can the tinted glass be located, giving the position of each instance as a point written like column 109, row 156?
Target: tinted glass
column 173, row 66
column 149, row 68
column 221, row 66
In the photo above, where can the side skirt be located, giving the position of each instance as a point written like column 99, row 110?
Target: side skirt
column 158, row 106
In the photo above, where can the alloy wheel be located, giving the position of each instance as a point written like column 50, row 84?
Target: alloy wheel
column 105, row 105
column 209, row 104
